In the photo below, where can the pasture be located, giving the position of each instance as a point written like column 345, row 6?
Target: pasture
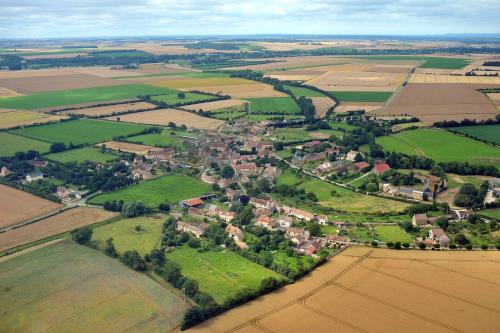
column 167, row 189
column 441, row 146
column 9, row 119
column 65, row 287
column 362, row 96
column 490, row 133
column 391, row 233
column 82, row 155
column 12, row 144
column 219, row 273
column 82, row 131
column 277, row 105
column 164, row 139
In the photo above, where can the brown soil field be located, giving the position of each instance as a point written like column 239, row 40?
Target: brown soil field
column 159, row 68
column 294, row 62
column 133, row 148
column 495, row 98
column 110, row 109
column 310, row 71
column 243, row 91
column 378, row 290
column 14, row 118
column 164, row 48
column 357, row 81
column 58, row 82
column 163, row 116
column 367, row 106
column 54, row 56
column 105, row 72
column 210, row 106
column 54, row 225
column 322, row 104
column 17, row 206
column 34, row 73
column 424, row 78
column 438, row 102
column 5, row 92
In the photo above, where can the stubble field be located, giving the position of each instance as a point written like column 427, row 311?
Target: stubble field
column 110, row 109
column 12, row 118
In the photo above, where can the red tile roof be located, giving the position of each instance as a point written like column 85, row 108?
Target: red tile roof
column 381, row 168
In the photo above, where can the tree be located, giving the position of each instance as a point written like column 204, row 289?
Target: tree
column 390, row 244
column 374, row 243
column 422, row 246
column 133, row 208
column 133, row 260
column 314, row 229
column 190, row 287
column 110, row 249
column 406, row 245
column 227, row 172
column 268, row 284
column 461, row 239
column 82, row 235
column 57, row 147
column 246, row 215
column 181, row 95
column 358, row 158
column 194, row 243
column 165, row 207
column 192, row 317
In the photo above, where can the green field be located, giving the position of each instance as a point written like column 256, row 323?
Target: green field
column 173, row 99
column 81, row 155
column 11, row 144
column 493, row 213
column 361, row 96
column 279, row 105
column 163, row 139
column 260, row 117
column 292, row 134
column 304, row 92
column 66, row 287
column 221, row 274
column 169, row 189
column 77, row 96
column 441, row 146
column 82, row 131
column 490, row 133
column 126, row 238
column 429, row 62
column 392, row 233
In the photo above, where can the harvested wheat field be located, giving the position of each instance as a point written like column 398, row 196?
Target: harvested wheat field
column 439, row 102
column 34, row 73
column 110, row 109
column 54, row 225
column 163, row 116
column 5, row 92
column 104, row 72
column 357, row 81
column 216, row 105
column 197, row 84
column 390, row 68
column 17, row 206
column 293, row 63
column 11, row 118
column 425, row 78
column 126, row 147
column 366, row 290
column 495, row 98
column 244, row 91
column 367, row 106
column 322, row 105
column 291, row 77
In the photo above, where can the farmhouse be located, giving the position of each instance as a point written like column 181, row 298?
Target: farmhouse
column 141, row 174
column 39, row 163
column 351, row 155
column 235, row 232
column 311, row 144
column 266, row 222
column 297, row 235
column 337, row 240
column 194, row 228
column 439, row 237
column 380, row 169
column 322, row 219
column 262, row 204
column 245, row 168
column 31, row 177
column 193, row 202
column 419, row 220
column 361, row 165
column 301, row 214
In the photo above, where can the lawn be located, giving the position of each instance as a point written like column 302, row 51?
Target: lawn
column 392, row 233
column 289, row 177
column 163, row 139
column 82, row 131
column 305, row 92
column 167, row 189
column 490, row 133
column 66, row 287
column 361, row 96
column 279, row 105
column 221, row 274
column 173, row 99
column 77, row 96
column 329, row 229
column 126, row 237
column 285, row 153
column 81, row 155
column 441, row 146
column 11, row 144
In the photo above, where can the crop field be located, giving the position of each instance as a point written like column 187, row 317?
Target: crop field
column 63, row 222
column 441, row 146
column 66, row 287
column 76, row 96
column 17, row 206
column 13, row 118
column 490, row 133
column 167, row 189
column 221, row 274
column 110, row 109
column 362, row 96
column 294, row 63
column 158, row 140
column 199, row 83
column 354, row 290
column 126, row 147
column 430, row 78
column 439, row 102
column 82, row 155
column 12, row 143
column 173, row 99
column 322, row 105
column 126, row 237
column 80, row 131
column 357, row 81
column 351, row 106
column 428, row 62
column 304, row 92
column 391, row 233
column 257, row 90
column 280, row 105
column 291, row 134
column 216, row 105
column 4, row 92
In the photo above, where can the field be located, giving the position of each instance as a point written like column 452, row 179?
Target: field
column 110, row 109
column 54, row 225
column 13, row 118
column 82, row 155
column 362, row 96
column 80, row 131
column 351, row 106
column 492, row 213
column 430, row 78
column 12, row 143
column 77, row 96
column 322, row 105
column 65, row 287
column 119, row 146
column 126, row 238
column 17, row 206
column 428, row 62
column 357, row 81
column 278, row 105
column 4, row 92
column 163, row 116
column 158, row 139
column 363, row 290
column 439, row 102
column 305, row 92
column 199, row 83
column 173, row 99
column 392, row 233
column 490, row 133
column 291, row 134
column 217, row 105
column 220, row 274
column 441, row 146
column 257, row 90
column 166, row 189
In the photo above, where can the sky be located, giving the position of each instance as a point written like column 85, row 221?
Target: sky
column 100, row 18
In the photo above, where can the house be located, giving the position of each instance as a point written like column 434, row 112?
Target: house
column 351, row 155
column 322, row 219
column 262, row 204
column 337, row 240
column 235, row 232
column 284, row 221
column 193, row 202
column 4, row 172
column 31, row 177
column 461, row 214
column 194, row 228
column 266, row 222
column 141, row 174
column 311, row 144
column 231, row 194
column 225, row 216
column 310, row 248
column 161, row 155
column 240, row 244
column 439, row 237
column 435, row 184
column 195, row 211
column 271, row 173
column 223, row 183
column 419, row 220
column 361, row 165
column 209, row 179
column 63, row 193
column 297, row 235
column 380, row 169
column 328, row 167
column 301, row 214
column 39, row 163
column 245, row 168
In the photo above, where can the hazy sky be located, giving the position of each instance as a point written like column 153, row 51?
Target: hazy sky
column 74, row 18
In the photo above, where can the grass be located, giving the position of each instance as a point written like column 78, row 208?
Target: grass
column 392, row 233
column 77, row 96
column 66, row 287
column 221, row 274
column 200, row 82
column 163, row 139
column 492, row 213
column 361, row 96
column 167, row 189
column 490, row 133
column 292, row 134
column 125, row 237
column 304, row 92
column 329, row 229
column 441, row 146
column 11, row 144
column 82, row 155
column 280, row 105
column 82, row 131
column 173, row 99
column 260, row 117
column 428, row 62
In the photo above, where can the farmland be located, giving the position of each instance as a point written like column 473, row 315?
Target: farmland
column 441, row 146
column 158, row 139
column 15, row 118
column 292, row 134
column 362, row 96
column 214, row 269
column 357, row 81
column 217, row 105
column 392, row 234
column 12, row 144
column 490, row 133
column 76, row 289
column 189, row 98
column 166, row 189
column 255, row 90
column 82, row 155
column 127, row 147
column 278, row 105
column 428, row 62
column 110, row 109
column 80, row 131
column 199, row 83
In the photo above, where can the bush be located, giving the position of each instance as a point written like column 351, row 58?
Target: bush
column 110, row 250
column 390, row 245
column 397, row 245
column 453, row 246
column 133, row 260
column 190, row 287
column 82, row 235
column 133, row 208
column 422, row 246
column 484, row 247
column 374, row 243
column 194, row 243
column 192, row 317
column 406, row 245
column 468, row 247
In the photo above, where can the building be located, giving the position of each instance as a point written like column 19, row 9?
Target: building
column 197, row 229
column 460, row 214
column 380, row 169
column 193, row 202
column 297, row 235
column 141, row 174
column 245, row 168
column 266, row 222
column 361, row 165
column 271, row 173
column 322, row 219
column 337, row 240
column 63, row 193
column 4, row 172
column 419, row 220
column 235, row 232
column 301, row 214
column 262, row 204
column 311, row 144
column 39, row 163
column 284, row 221
column 351, row 155
column 226, row 216
column 31, row 177
column 439, row 237
column 209, row 179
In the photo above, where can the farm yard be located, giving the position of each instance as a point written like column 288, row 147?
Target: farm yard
column 110, row 109
column 77, row 288
column 81, row 155
column 12, row 144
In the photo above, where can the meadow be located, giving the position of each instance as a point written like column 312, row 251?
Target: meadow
column 441, row 146
column 77, row 96
column 280, row 105
column 65, row 287
column 304, row 92
column 391, row 233
column 219, row 273
column 167, row 189
column 12, row 144
column 80, row 131
column 163, row 139
column 81, row 155
column 173, row 99
column 490, row 133
column 361, row 96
